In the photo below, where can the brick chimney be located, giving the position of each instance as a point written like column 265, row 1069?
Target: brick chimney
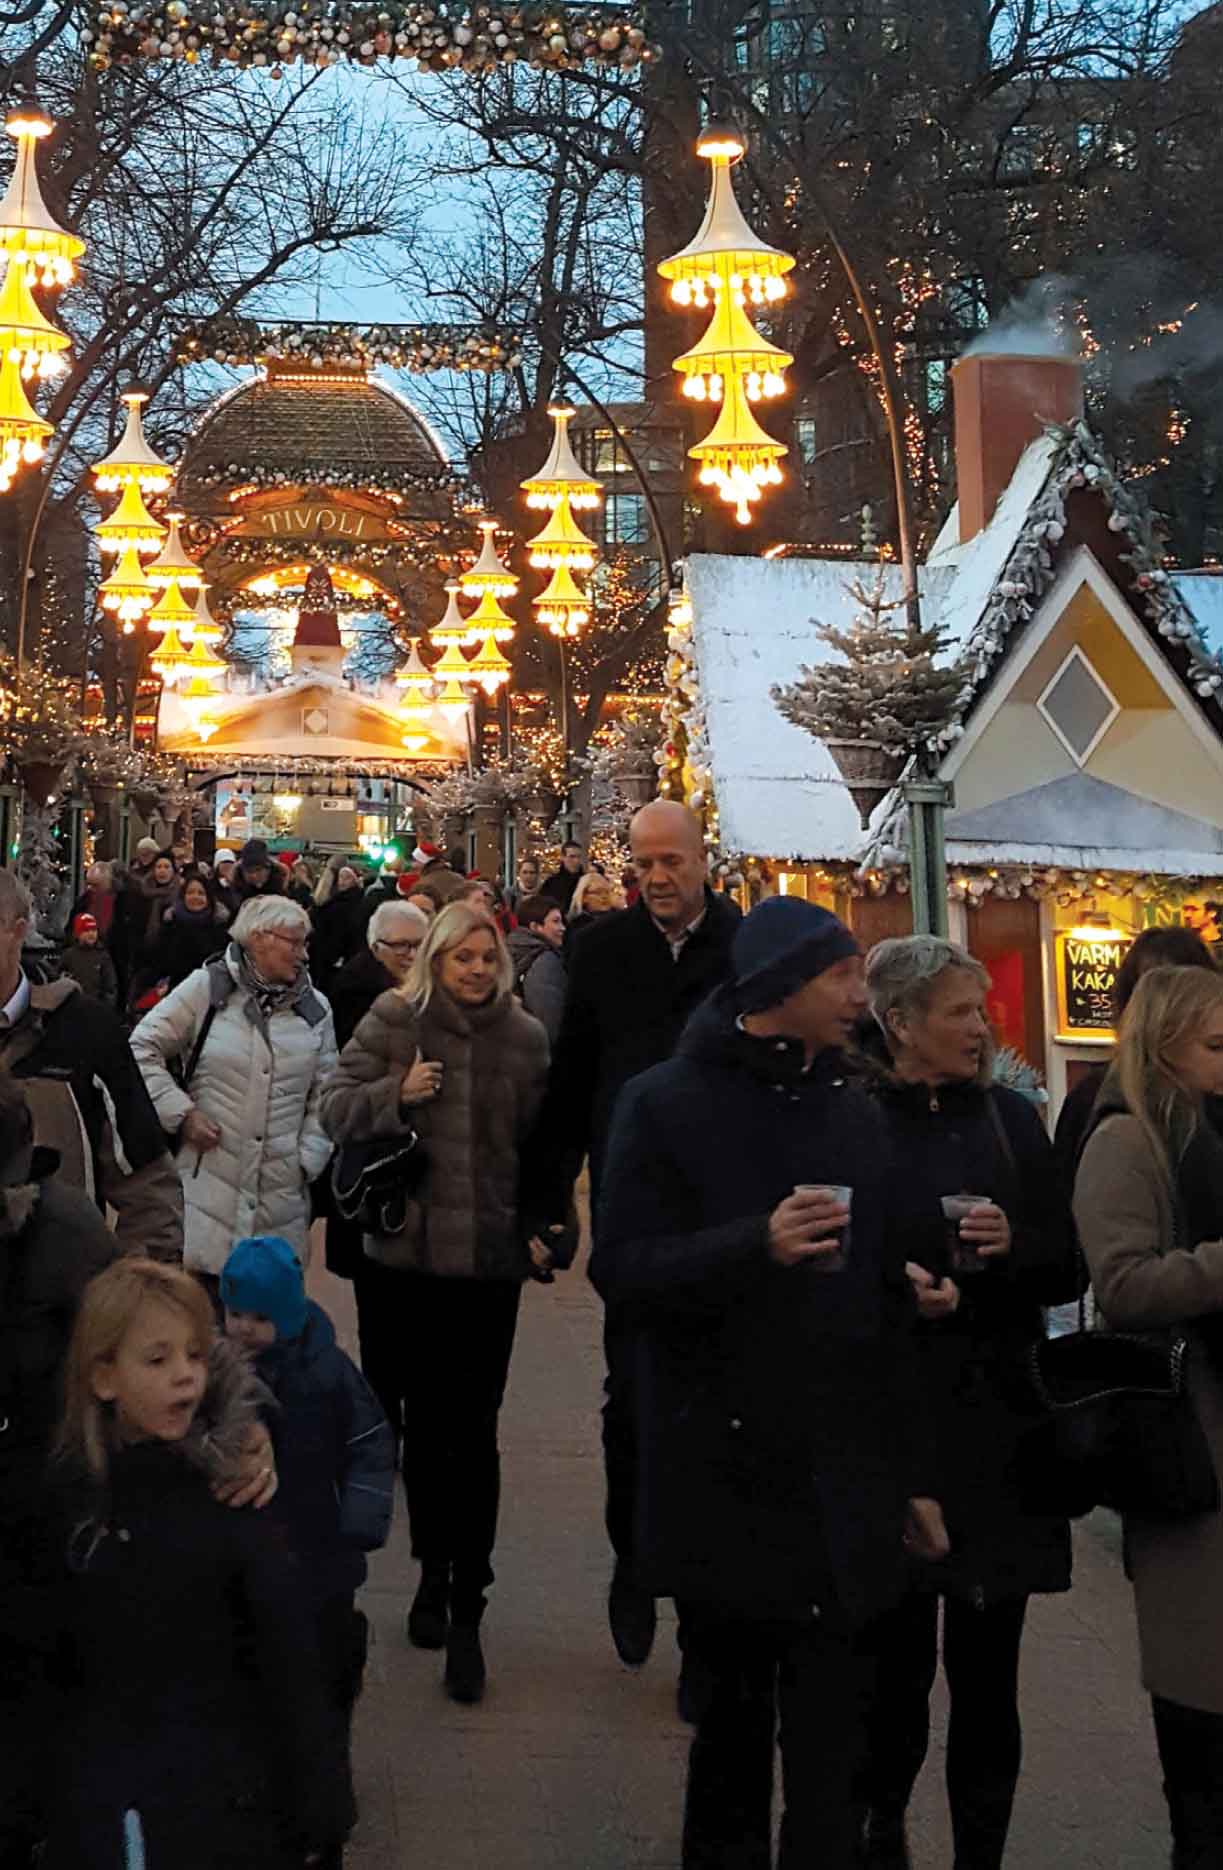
column 1001, row 404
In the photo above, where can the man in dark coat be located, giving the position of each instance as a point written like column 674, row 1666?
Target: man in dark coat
column 636, row 978
column 256, row 874
column 559, row 887
column 744, row 1232
column 85, row 1093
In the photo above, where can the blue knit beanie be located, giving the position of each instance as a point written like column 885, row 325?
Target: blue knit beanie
column 264, row 1275
column 780, row 946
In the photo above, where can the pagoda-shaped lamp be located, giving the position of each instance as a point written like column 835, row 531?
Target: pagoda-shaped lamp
column 488, row 619
column 172, row 565
column 489, row 667
column 131, row 523
column 170, row 658
column 28, row 231
column 488, row 573
column 127, row 593
column 562, row 474
column 562, row 604
column 725, row 265
column 418, row 685
column 204, row 626
column 23, row 432
column 198, row 696
column 562, row 541
column 453, row 625
column 131, row 459
column 171, row 611
column 203, row 663
column 413, row 676
column 453, row 702
column 27, row 336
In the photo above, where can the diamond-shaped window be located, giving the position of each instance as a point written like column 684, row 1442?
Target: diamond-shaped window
column 1079, row 707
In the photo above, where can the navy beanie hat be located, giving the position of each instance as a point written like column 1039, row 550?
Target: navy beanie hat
column 263, row 1274
column 780, row 946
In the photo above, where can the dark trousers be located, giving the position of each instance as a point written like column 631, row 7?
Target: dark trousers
column 377, row 1293
column 984, row 1743
column 343, row 1641
column 804, row 1682
column 452, row 1340
column 619, row 1436
column 1191, row 1753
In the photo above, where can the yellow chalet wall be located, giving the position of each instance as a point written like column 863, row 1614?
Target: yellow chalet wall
column 1149, row 749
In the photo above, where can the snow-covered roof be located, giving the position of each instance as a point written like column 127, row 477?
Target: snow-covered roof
column 754, row 623
column 1203, row 592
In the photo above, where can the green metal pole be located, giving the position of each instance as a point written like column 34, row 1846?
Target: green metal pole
column 928, row 800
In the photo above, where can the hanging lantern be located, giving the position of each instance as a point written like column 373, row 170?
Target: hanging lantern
column 27, row 336
column 562, row 541
column 488, row 619
column 724, row 251
column 453, row 665
column 202, row 664
column 415, row 718
column 197, row 696
column 489, row 667
column 737, row 457
column 488, row 573
column 27, row 230
column 731, row 347
column 131, row 459
column 171, row 609
column 204, row 626
column 562, row 474
column 23, row 432
column 172, row 566
column 453, row 702
column 131, row 523
column 169, row 658
column 453, row 626
column 731, row 364
column 562, row 604
column 414, row 676
column 127, row 592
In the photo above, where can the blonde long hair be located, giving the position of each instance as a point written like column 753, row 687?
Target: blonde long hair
column 109, row 1308
column 454, row 924
column 1168, row 1006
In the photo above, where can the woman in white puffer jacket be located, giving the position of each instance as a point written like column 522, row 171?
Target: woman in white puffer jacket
column 250, row 1140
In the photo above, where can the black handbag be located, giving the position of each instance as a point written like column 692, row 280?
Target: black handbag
column 1118, row 1427
column 373, row 1181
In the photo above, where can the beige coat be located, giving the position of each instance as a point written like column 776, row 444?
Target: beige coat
column 467, row 1221
column 1141, row 1282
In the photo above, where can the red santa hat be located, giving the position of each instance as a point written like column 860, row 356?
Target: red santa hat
column 425, row 853
column 408, row 882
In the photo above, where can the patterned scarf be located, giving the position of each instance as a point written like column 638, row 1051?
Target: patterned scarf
column 268, row 996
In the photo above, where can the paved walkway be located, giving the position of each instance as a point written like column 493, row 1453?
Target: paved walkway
column 572, row 1760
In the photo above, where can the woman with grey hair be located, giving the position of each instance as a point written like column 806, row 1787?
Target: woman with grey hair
column 988, row 1244
column 453, row 1057
column 253, row 1043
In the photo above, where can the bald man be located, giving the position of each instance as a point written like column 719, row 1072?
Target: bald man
column 635, row 979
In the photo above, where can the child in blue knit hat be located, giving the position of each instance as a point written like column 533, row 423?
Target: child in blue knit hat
column 334, row 1452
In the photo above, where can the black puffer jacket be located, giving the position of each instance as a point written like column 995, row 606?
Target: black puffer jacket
column 186, row 1676
column 780, row 1416
column 945, row 1141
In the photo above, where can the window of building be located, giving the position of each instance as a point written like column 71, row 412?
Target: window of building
column 626, row 519
column 1078, row 707
column 935, row 373
column 805, row 439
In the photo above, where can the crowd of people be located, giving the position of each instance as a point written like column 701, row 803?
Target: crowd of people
column 827, row 1240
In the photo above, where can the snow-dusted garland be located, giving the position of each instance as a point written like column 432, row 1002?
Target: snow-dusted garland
column 359, row 477
column 330, row 32
column 419, row 348
column 1030, row 570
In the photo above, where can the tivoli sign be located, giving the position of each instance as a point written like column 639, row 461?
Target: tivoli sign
column 306, row 522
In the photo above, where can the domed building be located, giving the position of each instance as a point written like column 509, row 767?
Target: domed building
column 313, row 474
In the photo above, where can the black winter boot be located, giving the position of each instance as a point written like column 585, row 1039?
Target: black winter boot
column 465, row 1672
column 429, row 1616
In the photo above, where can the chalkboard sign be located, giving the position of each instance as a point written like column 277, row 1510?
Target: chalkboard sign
column 1088, row 965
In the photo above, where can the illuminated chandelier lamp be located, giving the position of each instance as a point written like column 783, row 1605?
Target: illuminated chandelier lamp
column 489, row 667
column 23, row 432
column 204, row 626
column 450, row 635
column 418, row 685
column 131, row 459
column 562, row 542
column 171, row 611
column 725, row 266
column 169, row 658
column 127, row 591
column 414, row 676
column 197, row 697
column 131, row 523
column 562, row 475
column 202, row 662
column 172, row 565
column 27, row 336
column 453, row 702
column 562, row 604
column 488, row 619
column 488, row 573
column 27, row 230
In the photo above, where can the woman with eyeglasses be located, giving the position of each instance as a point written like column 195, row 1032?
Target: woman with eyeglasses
column 251, row 1043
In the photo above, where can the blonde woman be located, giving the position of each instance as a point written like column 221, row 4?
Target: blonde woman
column 1148, row 1201
column 453, row 1055
column 596, row 896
